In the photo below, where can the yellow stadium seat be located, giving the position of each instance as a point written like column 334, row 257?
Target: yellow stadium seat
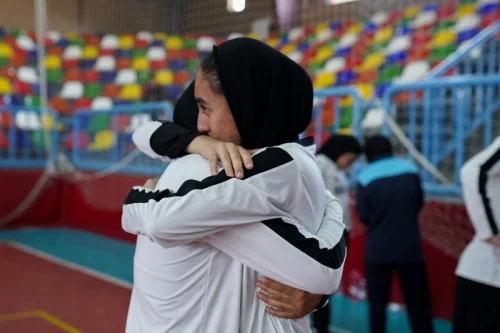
column 90, row 52
column 321, row 27
column 289, row 48
column 324, row 80
column 412, row 11
column 466, row 9
column 5, row 51
column 346, row 131
column 366, row 90
column 131, row 92
column 443, row 38
column 47, row 121
column 273, row 42
column 346, row 102
column 126, row 42
column 103, row 140
column 140, row 64
column 254, row 36
column 383, row 34
column 324, row 54
column 373, row 60
column 160, row 35
column 164, row 77
column 70, row 35
column 52, row 62
column 355, row 28
column 174, row 43
column 5, row 86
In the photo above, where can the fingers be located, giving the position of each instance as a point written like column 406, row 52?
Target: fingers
column 276, row 295
column 275, row 303
column 281, row 288
column 225, row 159
column 246, row 156
column 213, row 160
column 282, row 314
column 236, row 161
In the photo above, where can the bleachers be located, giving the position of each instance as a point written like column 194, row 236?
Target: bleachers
column 99, row 72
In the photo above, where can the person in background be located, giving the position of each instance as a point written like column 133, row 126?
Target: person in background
column 334, row 157
column 477, row 304
column 389, row 199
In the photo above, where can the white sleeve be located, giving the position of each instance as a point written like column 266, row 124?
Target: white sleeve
column 142, row 139
column 272, row 189
column 282, row 252
column 327, row 172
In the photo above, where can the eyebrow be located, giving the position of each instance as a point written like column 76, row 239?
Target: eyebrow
column 200, row 100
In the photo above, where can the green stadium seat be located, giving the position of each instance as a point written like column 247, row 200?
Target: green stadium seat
column 98, row 122
column 92, row 90
column 54, row 75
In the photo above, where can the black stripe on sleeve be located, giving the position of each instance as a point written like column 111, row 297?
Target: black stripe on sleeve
column 332, row 258
column 171, row 139
column 267, row 160
column 483, row 180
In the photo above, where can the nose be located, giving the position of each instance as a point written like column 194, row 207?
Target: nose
column 203, row 123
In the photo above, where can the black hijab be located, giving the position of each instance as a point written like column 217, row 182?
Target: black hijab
column 377, row 147
column 186, row 109
column 340, row 144
column 270, row 96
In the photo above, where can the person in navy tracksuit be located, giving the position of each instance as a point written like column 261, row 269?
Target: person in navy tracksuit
column 389, row 199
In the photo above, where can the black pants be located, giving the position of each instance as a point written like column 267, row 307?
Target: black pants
column 413, row 280
column 321, row 318
column 477, row 308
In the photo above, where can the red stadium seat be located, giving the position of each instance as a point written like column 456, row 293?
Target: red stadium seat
column 4, row 143
column 123, row 63
column 72, row 75
column 18, row 61
column 10, row 40
column 445, row 11
column 490, row 18
column 111, row 91
column 141, row 44
column 5, row 119
column 419, row 53
column 82, row 103
column 56, row 51
column 22, row 88
column 158, row 64
column 83, row 141
column 367, row 76
column 59, row 104
column 181, row 77
column 120, row 122
column 90, row 76
column 107, row 52
column 189, row 54
column 70, row 63
column 421, row 39
column 174, row 54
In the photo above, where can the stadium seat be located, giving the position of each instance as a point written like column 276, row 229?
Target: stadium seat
column 54, row 36
column 131, row 92
column 205, row 44
column 90, row 52
column 156, row 53
column 383, row 35
column 443, row 38
column 32, row 101
column 335, row 65
column 126, row 76
column 466, row 9
column 373, row 60
column 101, row 103
column 103, row 140
column 366, row 76
column 56, row 51
column 5, row 86
column 140, row 64
column 143, row 77
column 348, row 40
column 111, row 91
column 72, row 52
column 139, row 53
column 70, row 63
column 27, row 120
column 181, row 77
column 295, row 33
column 6, row 51
column 58, row 104
column 53, row 62
column 467, row 22
column 4, row 142
column 366, row 90
column 137, row 120
column 324, row 54
column 159, row 36
column 6, row 119
column 123, row 63
column 21, row 88
column 173, row 43
column 90, row 76
column 414, row 71
column 379, row 18
column 323, row 36
column 296, row 56
column 126, row 42
column 109, row 42
column 105, row 63
column 92, row 90
column 390, row 73
column 399, row 44
column 411, row 11
column 82, row 103
column 324, row 80
column 424, row 19
column 345, row 77
column 25, row 43
column 145, row 36
column 164, row 77
column 356, row 28
column 72, row 90
column 27, row 74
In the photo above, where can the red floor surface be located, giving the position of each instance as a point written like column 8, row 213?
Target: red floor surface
column 65, row 298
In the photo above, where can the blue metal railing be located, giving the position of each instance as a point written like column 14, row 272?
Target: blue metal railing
column 101, row 139
column 23, row 137
column 452, row 109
